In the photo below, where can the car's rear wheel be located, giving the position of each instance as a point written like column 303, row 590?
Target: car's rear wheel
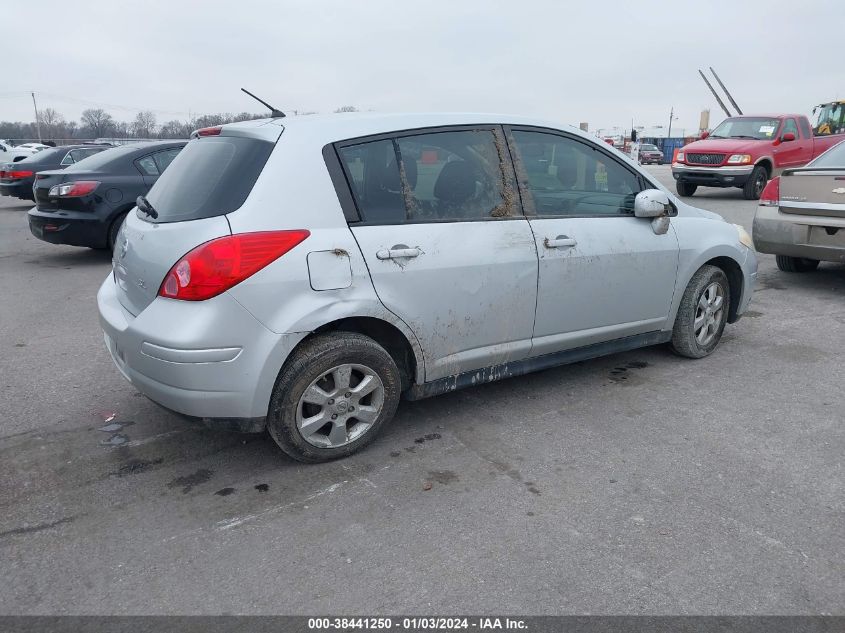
column 702, row 314
column 685, row 189
column 333, row 396
column 114, row 229
column 796, row 264
column 756, row 183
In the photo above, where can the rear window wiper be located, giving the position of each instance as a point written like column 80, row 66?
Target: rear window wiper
column 144, row 206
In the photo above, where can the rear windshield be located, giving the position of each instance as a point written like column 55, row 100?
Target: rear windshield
column 45, row 156
column 101, row 159
column 834, row 157
column 211, row 176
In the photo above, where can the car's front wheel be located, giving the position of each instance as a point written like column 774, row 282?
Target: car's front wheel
column 796, row 264
column 702, row 314
column 333, row 396
column 753, row 188
column 685, row 189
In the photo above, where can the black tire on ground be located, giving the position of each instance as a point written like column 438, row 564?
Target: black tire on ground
column 756, row 183
column 684, row 341
column 313, row 358
column 685, row 189
column 796, row 264
column 114, row 229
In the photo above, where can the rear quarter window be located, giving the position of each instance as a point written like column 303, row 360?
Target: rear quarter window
column 211, row 176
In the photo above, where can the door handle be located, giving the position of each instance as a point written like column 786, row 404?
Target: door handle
column 561, row 241
column 398, row 252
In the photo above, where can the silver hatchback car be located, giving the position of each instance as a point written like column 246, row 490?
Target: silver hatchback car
column 302, row 275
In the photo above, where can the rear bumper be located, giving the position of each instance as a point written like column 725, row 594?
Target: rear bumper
column 74, row 228
column 807, row 236
column 712, row 176
column 21, row 190
column 207, row 359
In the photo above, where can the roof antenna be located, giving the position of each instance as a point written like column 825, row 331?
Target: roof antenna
column 274, row 113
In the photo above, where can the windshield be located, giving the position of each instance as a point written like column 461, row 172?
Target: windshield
column 834, row 157
column 757, row 128
column 830, row 119
column 211, row 176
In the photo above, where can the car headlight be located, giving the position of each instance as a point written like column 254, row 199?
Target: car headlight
column 744, row 237
column 680, row 157
column 739, row 159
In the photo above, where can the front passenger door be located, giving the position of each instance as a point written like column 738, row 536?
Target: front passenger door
column 604, row 274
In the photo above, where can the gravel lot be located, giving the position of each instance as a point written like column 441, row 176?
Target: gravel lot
column 636, row 483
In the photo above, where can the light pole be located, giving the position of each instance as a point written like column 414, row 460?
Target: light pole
column 37, row 120
column 671, row 116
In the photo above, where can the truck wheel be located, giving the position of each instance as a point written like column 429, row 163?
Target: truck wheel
column 333, row 396
column 756, row 183
column 702, row 314
column 685, row 189
column 796, row 264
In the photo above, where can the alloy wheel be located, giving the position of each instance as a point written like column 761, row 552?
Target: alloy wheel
column 340, row 406
column 709, row 313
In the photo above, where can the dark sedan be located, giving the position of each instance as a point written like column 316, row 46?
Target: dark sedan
column 16, row 179
column 85, row 204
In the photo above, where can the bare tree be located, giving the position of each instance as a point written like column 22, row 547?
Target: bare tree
column 144, row 125
column 98, row 121
column 52, row 122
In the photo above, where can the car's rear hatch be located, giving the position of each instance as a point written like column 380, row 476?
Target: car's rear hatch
column 211, row 177
column 816, row 191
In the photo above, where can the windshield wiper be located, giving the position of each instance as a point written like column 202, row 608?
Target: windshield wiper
column 753, row 138
column 716, row 136
column 144, row 206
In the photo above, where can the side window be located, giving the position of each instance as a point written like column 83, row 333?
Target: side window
column 163, row 159
column 805, row 128
column 68, row 159
column 569, row 177
column 790, row 126
column 147, row 165
column 441, row 176
column 454, row 176
column 373, row 172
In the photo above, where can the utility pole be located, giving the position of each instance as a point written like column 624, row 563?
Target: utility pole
column 37, row 118
column 671, row 116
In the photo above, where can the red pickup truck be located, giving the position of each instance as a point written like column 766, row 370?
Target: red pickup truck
column 746, row 151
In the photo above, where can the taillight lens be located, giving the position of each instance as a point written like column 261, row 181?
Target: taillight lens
column 16, row 175
column 2, row 173
column 771, row 193
column 73, row 189
column 210, row 131
column 216, row 266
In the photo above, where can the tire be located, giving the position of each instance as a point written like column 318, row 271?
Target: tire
column 755, row 184
column 686, row 340
column 796, row 264
column 311, row 366
column 685, row 189
column 114, row 229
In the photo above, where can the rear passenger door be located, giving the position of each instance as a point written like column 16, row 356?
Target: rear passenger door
column 604, row 274
column 447, row 246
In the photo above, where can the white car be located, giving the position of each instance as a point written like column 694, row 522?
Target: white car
column 12, row 154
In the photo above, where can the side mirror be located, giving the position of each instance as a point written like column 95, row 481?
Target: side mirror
column 651, row 203
column 704, row 135
column 789, row 136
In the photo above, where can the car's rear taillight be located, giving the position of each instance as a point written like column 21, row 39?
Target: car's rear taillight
column 2, row 173
column 73, row 189
column 209, row 131
column 18, row 174
column 216, row 266
column 771, row 193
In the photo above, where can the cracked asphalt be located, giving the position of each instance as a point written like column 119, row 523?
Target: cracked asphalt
column 636, row 483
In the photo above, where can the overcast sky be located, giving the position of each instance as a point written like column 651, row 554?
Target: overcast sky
column 605, row 62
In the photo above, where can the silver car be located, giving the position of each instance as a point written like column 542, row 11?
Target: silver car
column 801, row 217
column 301, row 275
